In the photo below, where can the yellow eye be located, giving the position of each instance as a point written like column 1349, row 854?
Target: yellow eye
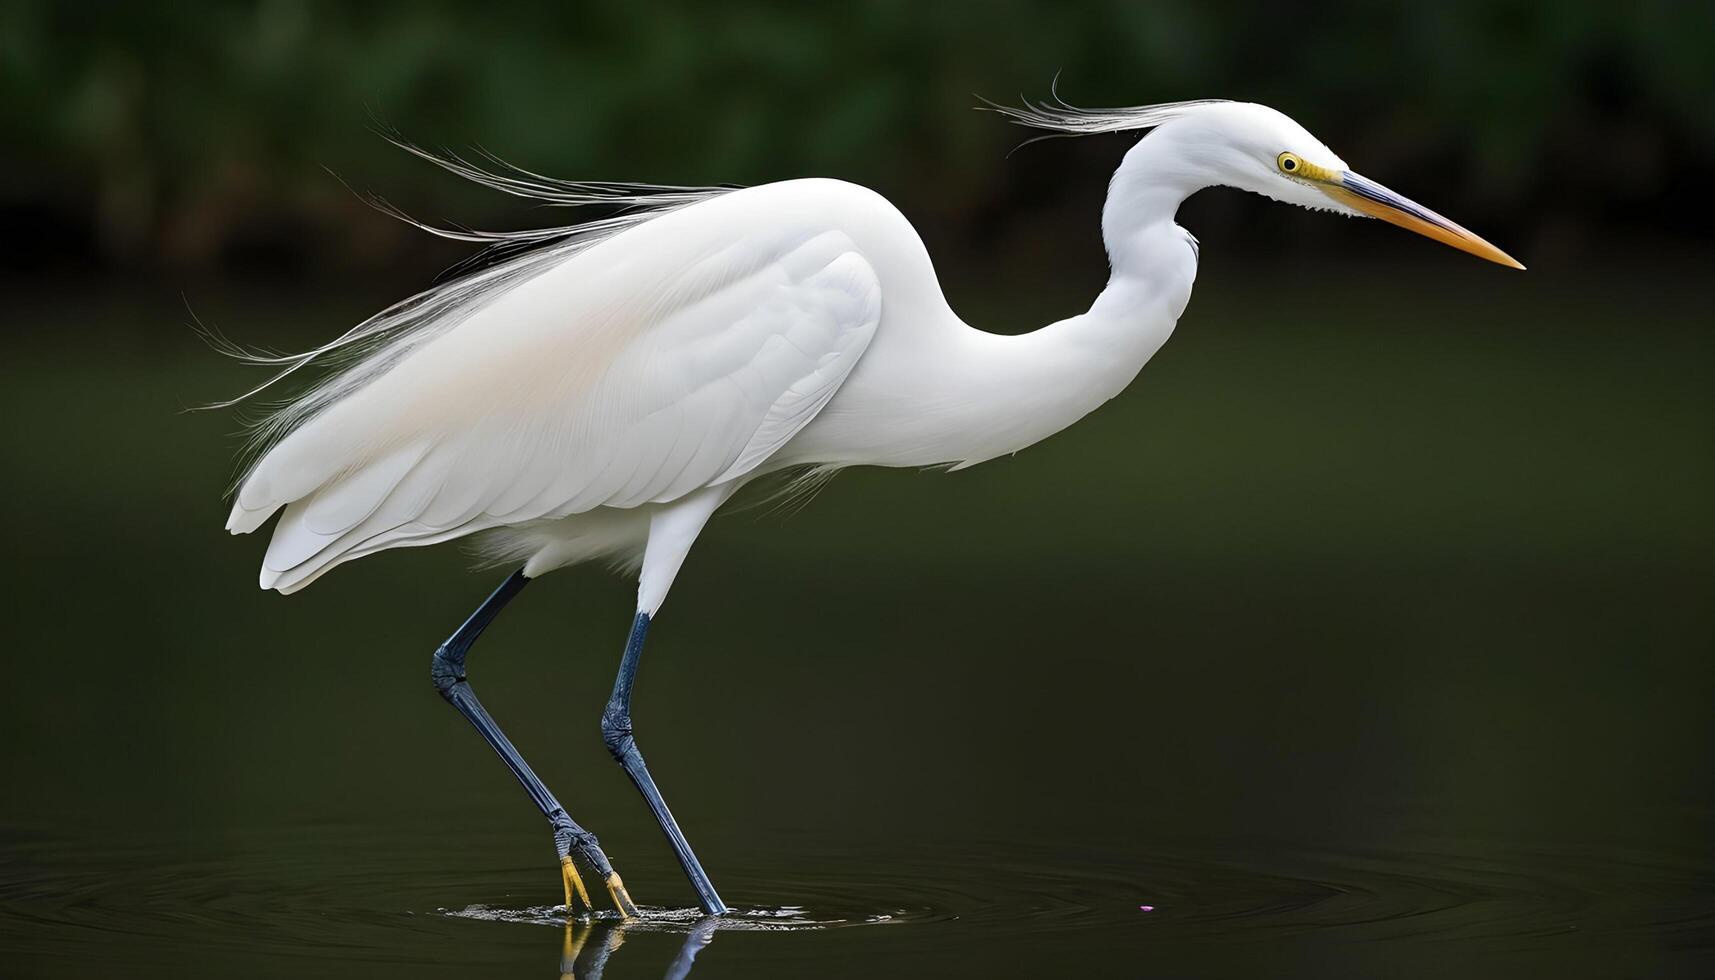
column 1289, row 163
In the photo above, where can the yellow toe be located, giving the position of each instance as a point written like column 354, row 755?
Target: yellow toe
column 621, row 898
column 574, row 885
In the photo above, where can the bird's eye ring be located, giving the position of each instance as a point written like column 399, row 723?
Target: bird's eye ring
column 1289, row 163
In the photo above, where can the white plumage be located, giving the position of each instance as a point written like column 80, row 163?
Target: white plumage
column 603, row 393
column 602, row 382
column 635, row 375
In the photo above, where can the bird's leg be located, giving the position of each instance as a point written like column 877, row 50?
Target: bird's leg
column 448, row 672
column 617, row 733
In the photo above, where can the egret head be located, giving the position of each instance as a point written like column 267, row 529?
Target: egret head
column 1254, row 148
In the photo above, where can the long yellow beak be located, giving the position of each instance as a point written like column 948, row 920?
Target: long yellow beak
column 1378, row 202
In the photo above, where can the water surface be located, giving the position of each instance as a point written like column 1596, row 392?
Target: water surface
column 335, row 900
column 1340, row 648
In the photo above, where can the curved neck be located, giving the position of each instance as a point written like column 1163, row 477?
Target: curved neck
column 982, row 395
column 1144, row 195
column 1047, row 379
column 1152, row 261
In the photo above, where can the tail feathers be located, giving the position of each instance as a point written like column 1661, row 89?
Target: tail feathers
column 398, row 500
column 243, row 521
column 302, row 574
column 307, row 463
column 295, row 560
column 311, row 524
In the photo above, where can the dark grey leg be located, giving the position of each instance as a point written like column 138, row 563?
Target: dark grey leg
column 616, row 732
column 447, row 669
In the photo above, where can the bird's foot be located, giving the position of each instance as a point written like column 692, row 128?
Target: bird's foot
column 621, row 897
column 577, row 899
column 575, row 843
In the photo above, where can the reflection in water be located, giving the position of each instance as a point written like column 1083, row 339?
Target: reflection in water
column 700, row 935
column 588, row 944
column 579, row 957
column 344, row 901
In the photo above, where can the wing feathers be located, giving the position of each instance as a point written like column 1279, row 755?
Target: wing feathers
column 603, row 383
column 309, row 524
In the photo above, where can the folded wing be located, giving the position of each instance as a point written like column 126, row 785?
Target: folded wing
column 654, row 364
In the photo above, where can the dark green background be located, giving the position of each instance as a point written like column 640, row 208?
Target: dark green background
column 1369, row 634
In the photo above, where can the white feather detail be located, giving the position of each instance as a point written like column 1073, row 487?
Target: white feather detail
column 601, row 382
column 511, row 258
column 1060, row 116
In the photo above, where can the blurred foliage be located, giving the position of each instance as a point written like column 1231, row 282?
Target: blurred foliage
column 170, row 132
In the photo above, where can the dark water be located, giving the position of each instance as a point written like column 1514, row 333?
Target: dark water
column 1342, row 648
column 341, row 900
column 337, row 899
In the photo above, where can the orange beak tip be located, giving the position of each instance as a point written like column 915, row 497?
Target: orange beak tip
column 1368, row 197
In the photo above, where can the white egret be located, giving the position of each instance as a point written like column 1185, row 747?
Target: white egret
column 604, row 392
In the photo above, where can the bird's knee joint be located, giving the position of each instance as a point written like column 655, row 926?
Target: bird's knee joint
column 446, row 670
column 617, row 736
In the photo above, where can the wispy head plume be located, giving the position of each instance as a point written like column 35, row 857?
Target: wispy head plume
column 1061, row 118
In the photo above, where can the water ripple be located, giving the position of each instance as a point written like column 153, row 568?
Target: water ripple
column 338, row 894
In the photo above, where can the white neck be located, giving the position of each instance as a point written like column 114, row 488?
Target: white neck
column 952, row 393
column 1149, row 274
column 1081, row 362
